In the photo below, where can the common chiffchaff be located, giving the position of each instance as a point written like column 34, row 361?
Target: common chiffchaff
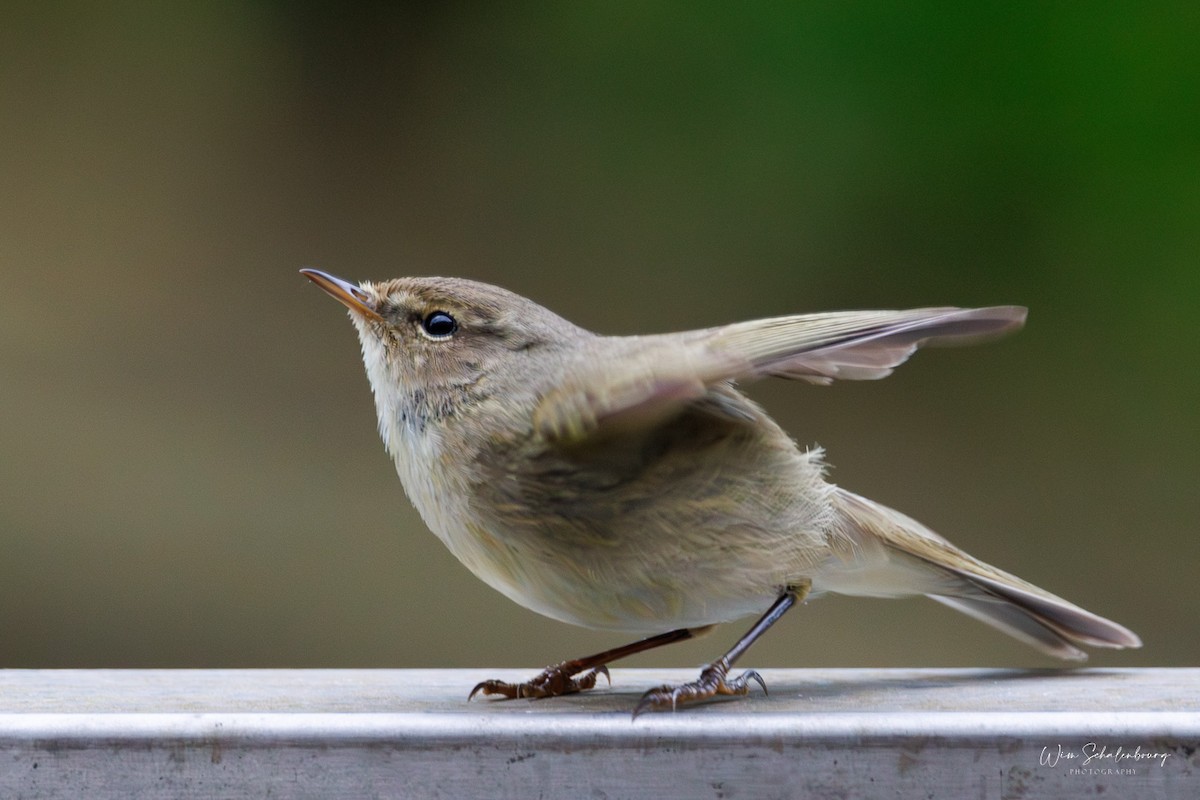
column 623, row 482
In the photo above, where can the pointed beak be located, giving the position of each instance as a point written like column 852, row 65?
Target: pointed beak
column 344, row 292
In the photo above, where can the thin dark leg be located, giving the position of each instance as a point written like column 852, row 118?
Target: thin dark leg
column 712, row 680
column 560, row 679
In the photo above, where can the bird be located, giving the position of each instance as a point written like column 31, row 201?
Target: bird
column 626, row 483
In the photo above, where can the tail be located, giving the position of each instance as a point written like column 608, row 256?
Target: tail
column 880, row 552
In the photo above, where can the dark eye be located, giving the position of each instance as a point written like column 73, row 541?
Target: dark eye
column 439, row 324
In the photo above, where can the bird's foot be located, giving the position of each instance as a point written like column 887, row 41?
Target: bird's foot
column 714, row 680
column 553, row 681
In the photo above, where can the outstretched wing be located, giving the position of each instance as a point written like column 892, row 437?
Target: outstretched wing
column 657, row 375
column 856, row 345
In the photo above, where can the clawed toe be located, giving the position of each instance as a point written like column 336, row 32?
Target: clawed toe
column 551, row 682
column 712, row 682
column 714, row 679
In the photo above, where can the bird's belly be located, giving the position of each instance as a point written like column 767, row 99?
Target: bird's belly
column 708, row 528
column 596, row 593
column 679, row 578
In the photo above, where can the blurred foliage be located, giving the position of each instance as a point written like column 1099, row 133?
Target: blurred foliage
column 189, row 472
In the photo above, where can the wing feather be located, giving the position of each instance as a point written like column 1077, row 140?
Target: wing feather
column 653, row 377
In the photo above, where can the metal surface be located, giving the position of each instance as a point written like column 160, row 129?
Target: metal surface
column 384, row 733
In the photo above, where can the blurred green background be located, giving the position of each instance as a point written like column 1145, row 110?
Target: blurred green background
column 189, row 469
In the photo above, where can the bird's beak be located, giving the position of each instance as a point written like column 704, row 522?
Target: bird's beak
column 344, row 292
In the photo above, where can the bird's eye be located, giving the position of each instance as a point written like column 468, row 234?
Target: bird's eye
column 439, row 324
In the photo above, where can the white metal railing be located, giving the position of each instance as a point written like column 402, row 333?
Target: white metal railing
column 821, row 733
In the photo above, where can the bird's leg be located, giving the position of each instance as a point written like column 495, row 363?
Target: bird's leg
column 714, row 679
column 559, row 679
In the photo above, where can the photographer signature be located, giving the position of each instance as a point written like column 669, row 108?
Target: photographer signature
column 1093, row 754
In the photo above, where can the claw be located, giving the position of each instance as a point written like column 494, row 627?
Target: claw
column 600, row 670
column 551, row 682
column 710, row 683
column 487, row 687
column 749, row 675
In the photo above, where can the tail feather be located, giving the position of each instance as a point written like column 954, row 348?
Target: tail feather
column 877, row 540
column 1017, row 623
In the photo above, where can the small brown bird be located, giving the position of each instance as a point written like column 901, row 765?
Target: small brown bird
column 623, row 483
